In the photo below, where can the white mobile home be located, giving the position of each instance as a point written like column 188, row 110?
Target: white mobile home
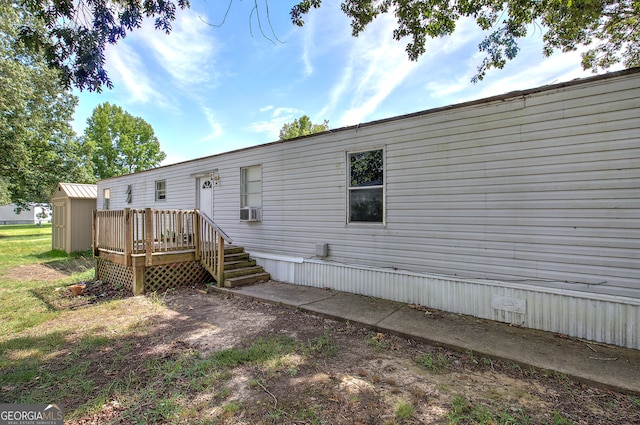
column 522, row 208
column 34, row 214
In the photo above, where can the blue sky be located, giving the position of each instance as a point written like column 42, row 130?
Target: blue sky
column 207, row 89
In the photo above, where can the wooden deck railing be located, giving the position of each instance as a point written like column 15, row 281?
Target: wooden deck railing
column 210, row 248
column 145, row 232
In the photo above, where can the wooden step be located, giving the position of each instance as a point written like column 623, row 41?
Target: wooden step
column 244, row 271
column 232, row 265
column 246, row 280
column 236, row 257
column 233, row 249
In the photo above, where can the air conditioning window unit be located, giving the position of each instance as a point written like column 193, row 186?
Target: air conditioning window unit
column 250, row 214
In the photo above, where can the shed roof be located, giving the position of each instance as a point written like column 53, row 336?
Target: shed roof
column 79, row 191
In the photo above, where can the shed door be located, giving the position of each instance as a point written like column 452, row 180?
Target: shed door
column 205, row 198
column 58, row 224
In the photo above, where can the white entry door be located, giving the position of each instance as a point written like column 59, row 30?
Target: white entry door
column 205, row 198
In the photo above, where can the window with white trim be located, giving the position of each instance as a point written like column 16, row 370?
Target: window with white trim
column 366, row 187
column 129, row 193
column 106, row 197
column 161, row 190
column 251, row 187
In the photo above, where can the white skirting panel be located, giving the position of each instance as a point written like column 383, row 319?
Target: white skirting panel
column 596, row 317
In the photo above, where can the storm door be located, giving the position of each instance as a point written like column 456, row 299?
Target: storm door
column 205, row 196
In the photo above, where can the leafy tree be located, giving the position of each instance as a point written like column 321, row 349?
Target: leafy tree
column 5, row 196
column 75, row 33
column 302, row 127
column 608, row 28
column 37, row 144
column 119, row 143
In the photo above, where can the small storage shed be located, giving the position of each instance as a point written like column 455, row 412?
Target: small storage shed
column 73, row 206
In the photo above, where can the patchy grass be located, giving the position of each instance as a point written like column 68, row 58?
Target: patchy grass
column 189, row 357
column 435, row 362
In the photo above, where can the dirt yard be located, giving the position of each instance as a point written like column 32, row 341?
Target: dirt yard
column 321, row 371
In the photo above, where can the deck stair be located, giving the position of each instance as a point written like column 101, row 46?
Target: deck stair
column 240, row 269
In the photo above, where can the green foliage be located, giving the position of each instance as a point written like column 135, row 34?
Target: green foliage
column 119, row 143
column 463, row 411
column 302, row 127
column 608, row 29
column 35, row 115
column 404, row 411
column 322, row 345
column 433, row 362
column 73, row 34
column 261, row 350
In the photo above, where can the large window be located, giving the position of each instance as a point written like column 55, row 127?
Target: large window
column 161, row 190
column 366, row 186
column 251, row 187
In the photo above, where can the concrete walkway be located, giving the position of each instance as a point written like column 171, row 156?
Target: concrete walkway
column 605, row 365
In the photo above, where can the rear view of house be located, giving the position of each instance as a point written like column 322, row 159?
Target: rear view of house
column 522, row 208
column 73, row 206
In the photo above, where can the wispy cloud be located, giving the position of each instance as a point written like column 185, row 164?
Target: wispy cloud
column 529, row 69
column 377, row 65
column 216, row 127
column 272, row 125
column 188, row 53
column 127, row 69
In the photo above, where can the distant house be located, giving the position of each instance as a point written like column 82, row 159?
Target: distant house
column 35, row 213
column 522, row 208
column 73, row 206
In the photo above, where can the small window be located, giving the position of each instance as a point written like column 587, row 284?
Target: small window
column 129, row 193
column 106, row 197
column 161, row 190
column 366, row 187
column 251, row 187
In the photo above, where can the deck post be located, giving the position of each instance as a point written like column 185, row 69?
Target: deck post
column 149, row 239
column 94, row 234
column 128, row 236
column 138, row 281
column 196, row 234
column 220, row 260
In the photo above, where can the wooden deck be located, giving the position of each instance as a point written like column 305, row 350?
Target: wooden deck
column 129, row 242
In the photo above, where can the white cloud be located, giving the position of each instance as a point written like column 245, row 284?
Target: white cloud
column 126, row 68
column 216, row 128
column 273, row 124
column 188, row 53
column 377, row 65
column 530, row 69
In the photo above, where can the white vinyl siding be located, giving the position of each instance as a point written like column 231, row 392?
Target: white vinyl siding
column 538, row 189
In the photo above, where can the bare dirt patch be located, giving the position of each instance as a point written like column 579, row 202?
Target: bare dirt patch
column 337, row 374
column 51, row 270
column 154, row 359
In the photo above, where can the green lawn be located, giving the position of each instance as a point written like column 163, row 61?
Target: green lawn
column 21, row 246
column 117, row 361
